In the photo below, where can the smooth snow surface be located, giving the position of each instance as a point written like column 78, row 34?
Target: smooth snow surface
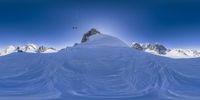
column 98, row 72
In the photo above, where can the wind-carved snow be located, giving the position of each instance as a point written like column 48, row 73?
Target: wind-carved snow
column 97, row 70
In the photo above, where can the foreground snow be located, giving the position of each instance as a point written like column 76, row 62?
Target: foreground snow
column 97, row 70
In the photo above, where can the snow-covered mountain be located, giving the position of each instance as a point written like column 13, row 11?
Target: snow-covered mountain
column 101, row 68
column 161, row 50
column 30, row 48
column 94, row 38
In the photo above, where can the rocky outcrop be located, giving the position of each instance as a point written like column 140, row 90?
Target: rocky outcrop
column 137, row 46
column 158, row 48
column 86, row 36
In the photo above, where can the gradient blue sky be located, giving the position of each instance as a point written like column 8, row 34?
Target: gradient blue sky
column 174, row 23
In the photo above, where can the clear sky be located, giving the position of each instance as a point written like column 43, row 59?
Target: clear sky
column 174, row 23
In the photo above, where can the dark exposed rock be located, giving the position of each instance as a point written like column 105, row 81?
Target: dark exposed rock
column 43, row 49
column 18, row 49
column 137, row 46
column 86, row 36
column 75, row 44
column 160, row 49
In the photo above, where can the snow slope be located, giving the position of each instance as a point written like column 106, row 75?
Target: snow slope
column 97, row 70
column 100, row 40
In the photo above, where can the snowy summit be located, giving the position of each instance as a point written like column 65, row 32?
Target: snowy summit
column 94, row 38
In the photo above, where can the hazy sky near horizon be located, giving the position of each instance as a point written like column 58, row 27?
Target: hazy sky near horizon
column 174, row 23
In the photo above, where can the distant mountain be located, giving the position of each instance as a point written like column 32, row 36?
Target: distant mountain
column 161, row 50
column 31, row 48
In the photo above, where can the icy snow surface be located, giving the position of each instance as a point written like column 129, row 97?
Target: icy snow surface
column 103, row 68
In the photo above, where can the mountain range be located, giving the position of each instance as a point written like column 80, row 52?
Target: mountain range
column 156, row 49
column 161, row 50
column 29, row 48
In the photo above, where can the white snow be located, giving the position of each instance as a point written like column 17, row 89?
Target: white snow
column 103, row 40
column 8, row 50
column 31, row 48
column 183, row 53
column 103, row 68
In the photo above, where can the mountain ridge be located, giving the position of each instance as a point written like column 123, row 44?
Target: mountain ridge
column 29, row 48
column 93, row 35
column 161, row 50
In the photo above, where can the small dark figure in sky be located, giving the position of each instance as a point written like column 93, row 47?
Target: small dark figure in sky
column 74, row 27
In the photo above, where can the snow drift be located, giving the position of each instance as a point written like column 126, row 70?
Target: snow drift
column 101, row 68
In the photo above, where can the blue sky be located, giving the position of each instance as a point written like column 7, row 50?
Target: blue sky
column 174, row 23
